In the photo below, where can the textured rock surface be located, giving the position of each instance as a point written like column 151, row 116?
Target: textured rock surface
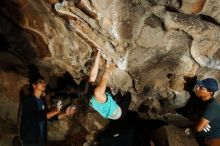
column 155, row 44
column 173, row 136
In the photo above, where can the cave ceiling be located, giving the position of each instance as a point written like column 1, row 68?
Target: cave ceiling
column 155, row 44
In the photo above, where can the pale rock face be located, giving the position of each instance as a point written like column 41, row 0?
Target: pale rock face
column 211, row 9
column 121, row 80
column 202, row 50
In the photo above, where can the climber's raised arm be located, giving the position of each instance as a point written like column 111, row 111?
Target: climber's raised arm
column 99, row 92
column 95, row 68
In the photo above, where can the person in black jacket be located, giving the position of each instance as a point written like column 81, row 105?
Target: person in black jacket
column 34, row 115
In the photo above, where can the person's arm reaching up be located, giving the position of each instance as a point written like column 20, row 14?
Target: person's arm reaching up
column 99, row 92
column 95, row 68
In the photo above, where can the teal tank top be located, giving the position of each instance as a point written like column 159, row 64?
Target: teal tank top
column 105, row 109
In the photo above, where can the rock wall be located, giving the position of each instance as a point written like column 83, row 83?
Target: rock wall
column 156, row 45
